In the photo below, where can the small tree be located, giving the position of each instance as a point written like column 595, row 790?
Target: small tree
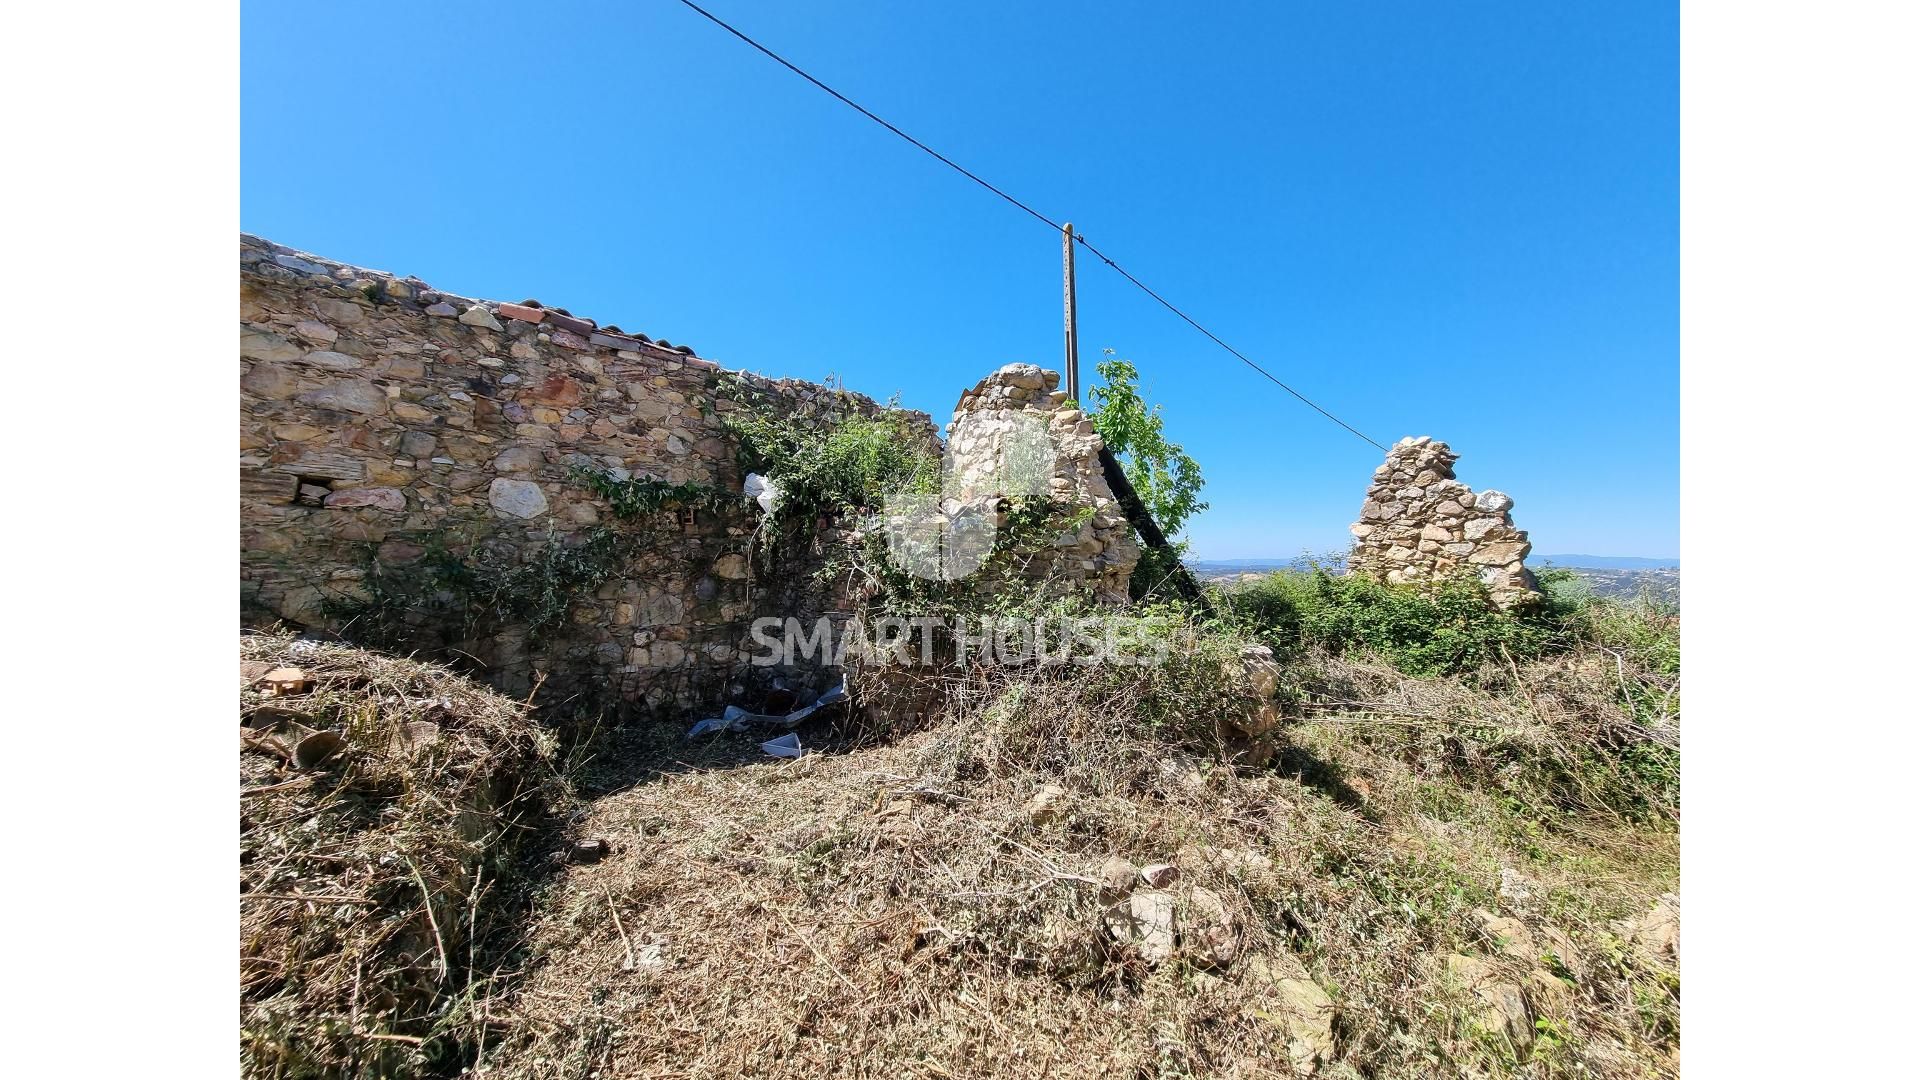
column 1166, row 477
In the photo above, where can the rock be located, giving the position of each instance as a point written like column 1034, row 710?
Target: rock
column 443, row 310
column 517, row 498
column 588, row 852
column 333, row 361
column 1502, row 1004
column 270, row 381
column 1655, row 934
column 262, row 345
column 1479, row 527
column 481, row 317
column 1144, row 921
column 1046, row 804
column 732, row 566
column 1514, row 885
column 418, row 445
column 317, row 748
column 1181, row 770
column 348, row 395
column 1493, row 502
column 315, row 333
column 1548, row 994
column 518, row 459
column 1262, row 675
column 1117, row 875
column 1244, row 863
column 1210, row 932
column 1500, row 552
column 1160, row 875
column 1506, row 935
column 1555, row 941
column 285, row 681
column 340, row 311
column 1302, row 1011
column 1024, row 376
column 661, row 609
column 378, row 498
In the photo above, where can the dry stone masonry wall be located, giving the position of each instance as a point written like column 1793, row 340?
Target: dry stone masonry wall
column 1420, row 524
column 394, row 434
column 388, row 427
column 1012, row 436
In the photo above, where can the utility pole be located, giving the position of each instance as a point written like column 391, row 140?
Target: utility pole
column 1073, row 322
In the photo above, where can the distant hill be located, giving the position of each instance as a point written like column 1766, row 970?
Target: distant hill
column 1251, row 564
column 1620, row 576
column 1231, row 569
column 1605, row 562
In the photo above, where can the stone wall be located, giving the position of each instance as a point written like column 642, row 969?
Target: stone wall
column 1420, row 524
column 386, row 427
column 1010, row 437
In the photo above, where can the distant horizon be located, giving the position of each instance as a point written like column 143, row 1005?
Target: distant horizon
column 1577, row 561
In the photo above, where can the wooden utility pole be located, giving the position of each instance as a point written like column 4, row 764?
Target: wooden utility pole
column 1073, row 322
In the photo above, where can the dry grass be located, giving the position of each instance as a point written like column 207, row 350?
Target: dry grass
column 376, row 887
column 897, row 910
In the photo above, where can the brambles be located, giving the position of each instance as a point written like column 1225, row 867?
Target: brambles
column 1449, row 628
column 830, row 467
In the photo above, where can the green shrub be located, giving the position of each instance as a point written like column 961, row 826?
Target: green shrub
column 1449, row 628
column 852, row 464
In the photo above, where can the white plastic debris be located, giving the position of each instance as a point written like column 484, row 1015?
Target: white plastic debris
column 736, row 718
column 763, row 491
column 732, row 719
column 787, row 746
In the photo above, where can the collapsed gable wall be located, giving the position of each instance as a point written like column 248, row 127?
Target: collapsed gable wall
column 1419, row 524
column 1020, row 403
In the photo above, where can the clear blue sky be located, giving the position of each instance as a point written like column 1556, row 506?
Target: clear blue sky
column 1458, row 220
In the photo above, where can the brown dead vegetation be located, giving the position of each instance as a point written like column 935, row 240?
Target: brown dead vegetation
column 386, row 813
column 942, row 906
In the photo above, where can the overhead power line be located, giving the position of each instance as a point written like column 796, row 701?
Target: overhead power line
column 1050, row 223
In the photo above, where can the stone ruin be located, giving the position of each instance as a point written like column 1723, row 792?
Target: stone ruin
column 385, row 423
column 1420, row 524
column 1011, row 436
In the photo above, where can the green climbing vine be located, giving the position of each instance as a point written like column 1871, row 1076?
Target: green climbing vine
column 635, row 496
column 475, row 591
